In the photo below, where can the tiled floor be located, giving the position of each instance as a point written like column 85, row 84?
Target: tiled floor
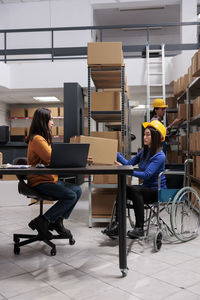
column 89, row 269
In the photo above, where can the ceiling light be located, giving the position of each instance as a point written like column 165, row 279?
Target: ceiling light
column 47, row 99
column 198, row 16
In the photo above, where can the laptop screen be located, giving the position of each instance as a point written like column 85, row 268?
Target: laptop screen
column 66, row 155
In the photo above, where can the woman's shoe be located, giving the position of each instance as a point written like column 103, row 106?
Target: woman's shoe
column 60, row 228
column 41, row 225
column 112, row 229
column 136, row 233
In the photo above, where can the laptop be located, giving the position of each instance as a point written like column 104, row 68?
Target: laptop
column 66, row 155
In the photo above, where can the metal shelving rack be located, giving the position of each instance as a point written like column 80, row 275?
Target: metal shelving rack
column 107, row 116
column 192, row 91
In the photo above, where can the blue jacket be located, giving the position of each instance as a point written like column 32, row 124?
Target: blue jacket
column 148, row 169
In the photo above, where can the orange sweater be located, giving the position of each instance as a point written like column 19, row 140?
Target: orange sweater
column 39, row 151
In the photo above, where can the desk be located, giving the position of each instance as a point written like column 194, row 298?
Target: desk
column 121, row 171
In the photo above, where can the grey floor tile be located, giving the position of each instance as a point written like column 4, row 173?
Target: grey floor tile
column 89, row 269
column 177, row 277
column 14, row 286
column 183, row 295
column 44, row 293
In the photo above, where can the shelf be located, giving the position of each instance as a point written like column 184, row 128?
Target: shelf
column 197, row 153
column 195, row 120
column 172, row 110
column 114, row 125
column 106, row 116
column 106, row 77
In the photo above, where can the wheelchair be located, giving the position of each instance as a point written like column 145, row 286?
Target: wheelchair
column 179, row 203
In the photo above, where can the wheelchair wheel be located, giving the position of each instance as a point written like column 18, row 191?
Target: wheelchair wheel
column 157, row 243
column 185, row 215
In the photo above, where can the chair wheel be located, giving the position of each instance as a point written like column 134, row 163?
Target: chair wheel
column 16, row 250
column 53, row 252
column 72, row 241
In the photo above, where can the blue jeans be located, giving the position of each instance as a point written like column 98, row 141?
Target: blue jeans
column 67, row 195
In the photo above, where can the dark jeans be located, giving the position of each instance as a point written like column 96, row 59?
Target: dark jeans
column 67, row 195
column 140, row 195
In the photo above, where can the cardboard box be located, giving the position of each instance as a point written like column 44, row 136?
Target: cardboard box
column 197, row 134
column 196, row 107
column 105, row 101
column 61, row 112
column 115, row 135
column 194, row 199
column 17, row 131
column 197, row 164
column 30, row 111
column 192, row 141
column 194, row 64
column 105, row 53
column 175, row 87
column 54, row 131
column 102, row 151
column 171, row 102
column 171, row 117
column 54, row 111
column 103, row 201
column 184, row 142
column 185, row 81
column 107, row 79
column 105, row 179
column 60, row 130
column 1, row 158
column 9, row 177
column 17, row 113
column 190, row 77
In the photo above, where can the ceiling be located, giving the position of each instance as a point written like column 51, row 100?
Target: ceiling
column 25, row 96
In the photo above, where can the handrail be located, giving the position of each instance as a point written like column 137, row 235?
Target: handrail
column 81, row 52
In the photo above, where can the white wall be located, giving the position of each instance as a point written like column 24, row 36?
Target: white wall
column 57, row 13
column 3, row 114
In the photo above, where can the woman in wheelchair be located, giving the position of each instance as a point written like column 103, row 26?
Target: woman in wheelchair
column 39, row 152
column 151, row 161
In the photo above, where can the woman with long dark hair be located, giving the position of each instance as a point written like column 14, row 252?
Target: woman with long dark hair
column 151, row 162
column 39, row 152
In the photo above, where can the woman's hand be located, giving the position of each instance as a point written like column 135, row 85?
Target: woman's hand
column 90, row 160
column 117, row 163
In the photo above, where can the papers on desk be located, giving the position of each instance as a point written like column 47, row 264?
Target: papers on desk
column 9, row 166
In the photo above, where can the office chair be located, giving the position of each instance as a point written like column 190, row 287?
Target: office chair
column 29, row 192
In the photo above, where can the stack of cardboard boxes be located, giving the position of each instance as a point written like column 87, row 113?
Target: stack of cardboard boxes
column 180, row 86
column 18, row 133
column 105, row 60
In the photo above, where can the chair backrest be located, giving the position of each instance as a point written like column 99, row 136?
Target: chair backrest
column 20, row 161
column 174, row 181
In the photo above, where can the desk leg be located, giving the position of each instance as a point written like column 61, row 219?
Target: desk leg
column 122, row 224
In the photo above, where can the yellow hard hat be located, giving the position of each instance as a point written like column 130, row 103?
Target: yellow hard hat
column 158, row 126
column 159, row 103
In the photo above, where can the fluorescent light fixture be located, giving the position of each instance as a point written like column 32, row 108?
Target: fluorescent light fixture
column 198, row 16
column 141, row 106
column 47, row 99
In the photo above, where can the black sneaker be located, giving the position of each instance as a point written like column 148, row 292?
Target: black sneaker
column 112, row 230
column 60, row 228
column 137, row 232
